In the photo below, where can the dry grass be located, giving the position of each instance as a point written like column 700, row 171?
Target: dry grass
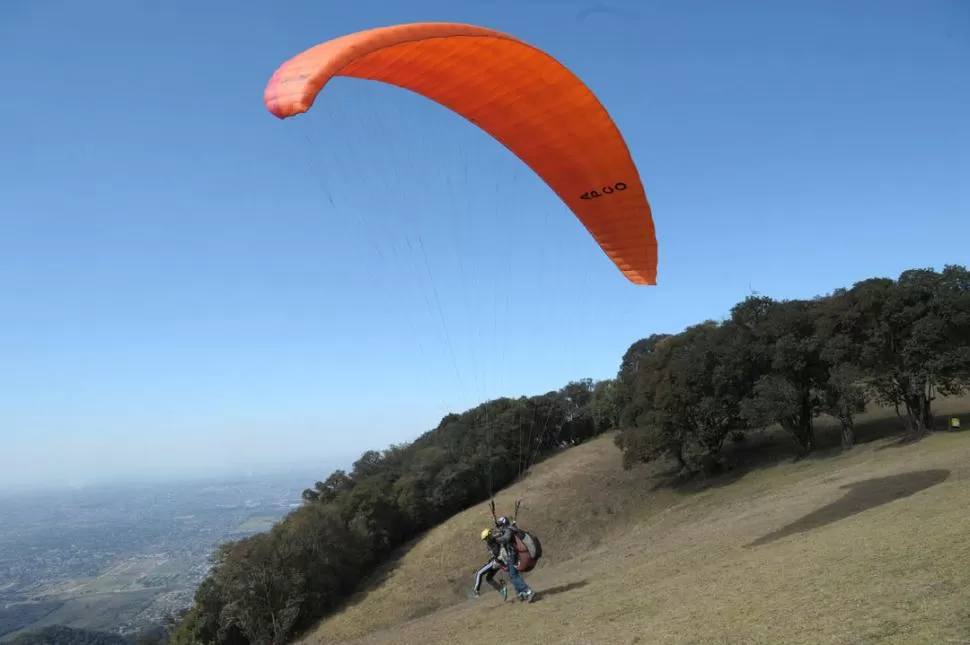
column 870, row 546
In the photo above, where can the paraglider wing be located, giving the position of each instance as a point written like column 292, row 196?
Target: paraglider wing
column 518, row 94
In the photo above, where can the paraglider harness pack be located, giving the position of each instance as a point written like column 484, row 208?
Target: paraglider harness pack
column 527, row 545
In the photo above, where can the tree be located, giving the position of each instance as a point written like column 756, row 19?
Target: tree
column 326, row 491
column 606, row 405
column 686, row 398
column 843, row 397
column 912, row 336
column 790, row 371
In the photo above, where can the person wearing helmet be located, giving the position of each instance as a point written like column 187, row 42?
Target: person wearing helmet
column 489, row 569
column 504, row 537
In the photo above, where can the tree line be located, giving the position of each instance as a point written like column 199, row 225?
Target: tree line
column 897, row 343
column 771, row 363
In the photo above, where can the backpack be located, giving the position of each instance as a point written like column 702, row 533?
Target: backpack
column 529, row 550
column 532, row 544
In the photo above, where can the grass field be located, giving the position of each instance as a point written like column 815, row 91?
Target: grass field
column 105, row 602
column 863, row 547
column 98, row 611
column 256, row 524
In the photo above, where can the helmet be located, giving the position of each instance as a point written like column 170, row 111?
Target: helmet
column 485, row 534
column 502, row 521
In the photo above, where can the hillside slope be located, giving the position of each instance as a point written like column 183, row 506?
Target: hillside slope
column 867, row 547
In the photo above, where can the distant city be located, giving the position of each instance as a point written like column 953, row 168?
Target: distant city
column 119, row 558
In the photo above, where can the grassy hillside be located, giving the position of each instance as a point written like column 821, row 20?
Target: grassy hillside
column 869, row 546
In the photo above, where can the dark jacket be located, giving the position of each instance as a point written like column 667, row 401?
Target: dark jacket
column 504, row 540
column 493, row 547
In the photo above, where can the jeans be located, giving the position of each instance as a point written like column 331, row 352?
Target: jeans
column 516, row 579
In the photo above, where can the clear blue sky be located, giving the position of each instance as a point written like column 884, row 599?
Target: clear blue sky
column 187, row 283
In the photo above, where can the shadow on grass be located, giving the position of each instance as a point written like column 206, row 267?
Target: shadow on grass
column 772, row 447
column 555, row 591
column 861, row 496
column 902, row 442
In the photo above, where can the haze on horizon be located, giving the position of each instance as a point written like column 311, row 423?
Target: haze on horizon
column 85, row 463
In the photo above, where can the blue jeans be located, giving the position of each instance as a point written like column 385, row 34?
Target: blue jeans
column 517, row 581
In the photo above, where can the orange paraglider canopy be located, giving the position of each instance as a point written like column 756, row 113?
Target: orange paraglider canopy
column 521, row 96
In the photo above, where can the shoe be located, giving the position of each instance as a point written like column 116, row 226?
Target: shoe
column 528, row 596
column 504, row 591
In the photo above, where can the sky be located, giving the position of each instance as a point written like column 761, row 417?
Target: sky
column 189, row 285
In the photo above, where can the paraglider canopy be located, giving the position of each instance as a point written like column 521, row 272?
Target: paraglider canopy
column 518, row 94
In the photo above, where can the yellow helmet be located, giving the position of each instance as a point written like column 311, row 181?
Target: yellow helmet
column 486, row 533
